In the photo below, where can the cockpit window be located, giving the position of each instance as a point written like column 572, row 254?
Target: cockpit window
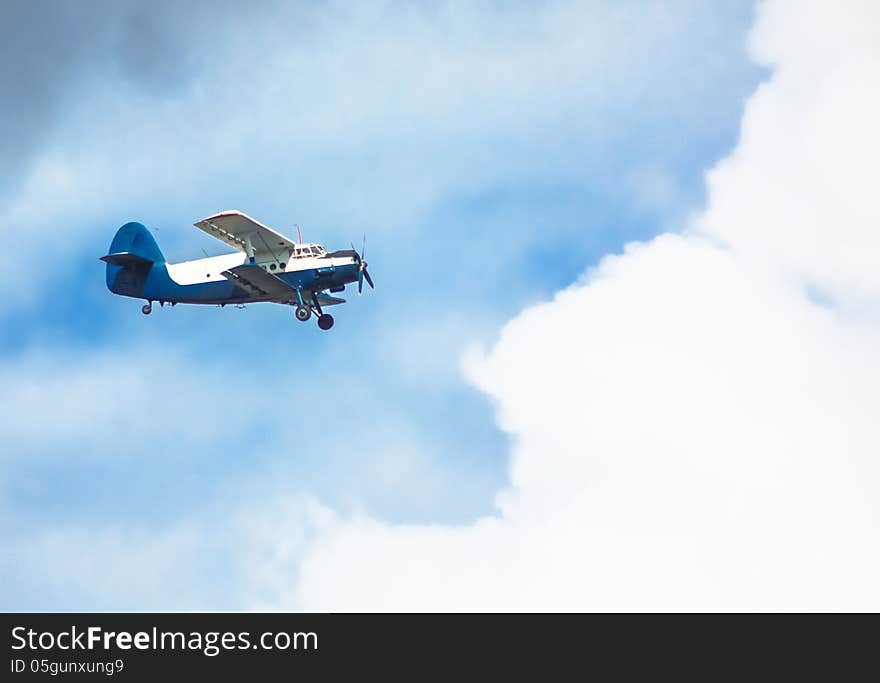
column 306, row 251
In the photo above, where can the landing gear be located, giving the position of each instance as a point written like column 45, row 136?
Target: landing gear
column 325, row 321
column 303, row 313
column 147, row 308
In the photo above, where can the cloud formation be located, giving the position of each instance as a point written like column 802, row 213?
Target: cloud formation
column 518, row 131
column 695, row 423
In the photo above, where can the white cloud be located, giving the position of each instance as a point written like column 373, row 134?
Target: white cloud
column 693, row 426
column 799, row 193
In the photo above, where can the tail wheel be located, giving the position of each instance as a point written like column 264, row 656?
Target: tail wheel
column 303, row 313
column 147, row 308
column 325, row 322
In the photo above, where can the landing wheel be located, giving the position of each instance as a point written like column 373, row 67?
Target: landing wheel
column 325, row 322
column 303, row 313
column 147, row 308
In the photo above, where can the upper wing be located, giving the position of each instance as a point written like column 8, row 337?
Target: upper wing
column 234, row 228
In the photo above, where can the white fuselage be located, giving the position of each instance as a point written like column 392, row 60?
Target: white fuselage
column 209, row 269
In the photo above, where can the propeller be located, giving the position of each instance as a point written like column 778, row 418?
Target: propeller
column 362, row 268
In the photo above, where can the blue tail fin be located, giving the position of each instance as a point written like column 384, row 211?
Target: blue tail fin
column 133, row 253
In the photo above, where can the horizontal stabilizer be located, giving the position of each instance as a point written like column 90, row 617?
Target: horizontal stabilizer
column 236, row 229
column 126, row 258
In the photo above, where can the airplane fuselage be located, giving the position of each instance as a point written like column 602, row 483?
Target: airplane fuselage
column 200, row 281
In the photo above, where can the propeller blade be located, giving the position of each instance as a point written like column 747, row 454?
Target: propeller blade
column 362, row 266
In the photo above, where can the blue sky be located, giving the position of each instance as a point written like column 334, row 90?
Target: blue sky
column 491, row 153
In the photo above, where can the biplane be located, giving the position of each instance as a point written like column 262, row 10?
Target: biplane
column 266, row 266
